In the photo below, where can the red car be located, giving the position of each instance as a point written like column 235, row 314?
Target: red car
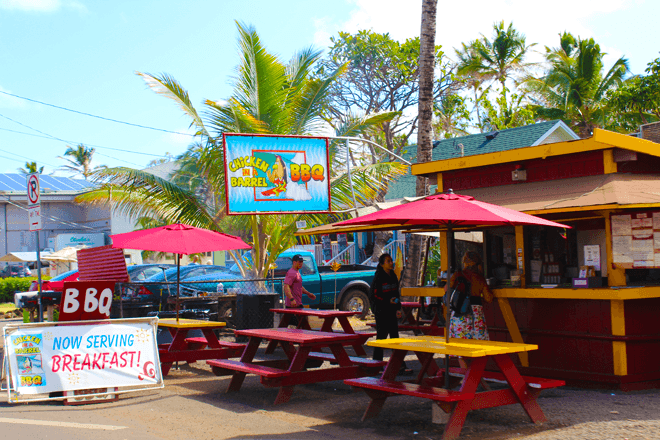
column 56, row 283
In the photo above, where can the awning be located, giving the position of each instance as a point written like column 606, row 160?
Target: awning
column 68, row 254
column 22, row 257
column 608, row 191
column 598, row 192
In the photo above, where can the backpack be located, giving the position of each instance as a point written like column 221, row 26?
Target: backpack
column 459, row 297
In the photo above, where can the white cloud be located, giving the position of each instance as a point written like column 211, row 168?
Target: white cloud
column 42, row 5
column 456, row 23
column 31, row 5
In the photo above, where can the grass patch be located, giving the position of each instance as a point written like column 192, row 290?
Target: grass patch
column 7, row 307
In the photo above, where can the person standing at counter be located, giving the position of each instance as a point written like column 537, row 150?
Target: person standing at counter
column 471, row 325
column 385, row 300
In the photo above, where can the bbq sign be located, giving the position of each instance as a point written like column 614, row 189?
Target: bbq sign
column 273, row 174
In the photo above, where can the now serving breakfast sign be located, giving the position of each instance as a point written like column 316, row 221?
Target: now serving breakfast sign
column 45, row 358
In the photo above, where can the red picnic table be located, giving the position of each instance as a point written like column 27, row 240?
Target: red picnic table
column 294, row 370
column 328, row 317
column 184, row 349
column 522, row 390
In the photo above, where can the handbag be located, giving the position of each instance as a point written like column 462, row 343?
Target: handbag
column 459, row 297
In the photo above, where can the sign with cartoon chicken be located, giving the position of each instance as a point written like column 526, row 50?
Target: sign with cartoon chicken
column 274, row 174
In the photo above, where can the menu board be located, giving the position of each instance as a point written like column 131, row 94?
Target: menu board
column 636, row 240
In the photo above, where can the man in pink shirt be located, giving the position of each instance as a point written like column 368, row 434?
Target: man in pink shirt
column 293, row 288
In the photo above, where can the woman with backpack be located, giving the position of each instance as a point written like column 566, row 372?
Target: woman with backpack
column 385, row 301
column 472, row 325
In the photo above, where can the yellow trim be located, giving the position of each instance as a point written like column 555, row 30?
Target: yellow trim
column 615, row 276
column 618, row 317
column 609, row 166
column 189, row 323
column 520, row 254
column 435, row 292
column 440, row 185
column 592, row 208
column 601, row 140
column 444, row 264
column 568, row 293
column 512, row 325
column 620, row 359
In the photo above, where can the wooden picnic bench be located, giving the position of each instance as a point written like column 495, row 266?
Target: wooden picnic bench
column 298, row 345
column 522, row 390
column 184, row 349
column 328, row 317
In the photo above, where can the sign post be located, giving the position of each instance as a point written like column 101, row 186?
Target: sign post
column 34, row 219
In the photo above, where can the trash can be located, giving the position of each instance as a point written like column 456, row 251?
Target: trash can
column 253, row 310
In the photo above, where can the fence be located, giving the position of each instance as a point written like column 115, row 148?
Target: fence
column 197, row 299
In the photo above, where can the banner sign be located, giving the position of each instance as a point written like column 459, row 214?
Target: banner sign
column 86, row 300
column 52, row 357
column 276, row 174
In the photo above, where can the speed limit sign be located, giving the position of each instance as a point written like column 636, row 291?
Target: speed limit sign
column 33, row 191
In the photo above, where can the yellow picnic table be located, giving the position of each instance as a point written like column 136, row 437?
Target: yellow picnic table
column 522, row 389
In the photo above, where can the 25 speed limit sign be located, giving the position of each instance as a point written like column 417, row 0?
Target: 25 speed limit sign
column 33, row 191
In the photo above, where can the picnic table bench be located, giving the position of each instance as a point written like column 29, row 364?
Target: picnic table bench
column 184, row 349
column 298, row 345
column 328, row 317
column 522, row 390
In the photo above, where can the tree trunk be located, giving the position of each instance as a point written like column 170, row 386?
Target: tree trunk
column 424, row 129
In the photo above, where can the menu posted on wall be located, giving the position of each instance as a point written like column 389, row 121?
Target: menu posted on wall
column 636, row 240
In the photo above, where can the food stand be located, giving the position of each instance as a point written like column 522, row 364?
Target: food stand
column 595, row 331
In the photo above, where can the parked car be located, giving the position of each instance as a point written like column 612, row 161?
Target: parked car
column 348, row 287
column 15, row 270
column 56, row 283
column 52, row 289
column 154, row 284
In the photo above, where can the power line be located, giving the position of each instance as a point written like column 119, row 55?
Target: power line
column 55, row 219
column 95, row 116
column 47, row 136
column 24, row 157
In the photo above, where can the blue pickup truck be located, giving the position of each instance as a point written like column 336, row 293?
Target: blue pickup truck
column 348, row 287
column 352, row 282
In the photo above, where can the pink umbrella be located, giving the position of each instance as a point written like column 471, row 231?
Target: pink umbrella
column 178, row 239
column 448, row 211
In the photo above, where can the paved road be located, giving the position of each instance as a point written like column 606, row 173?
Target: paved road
column 193, row 405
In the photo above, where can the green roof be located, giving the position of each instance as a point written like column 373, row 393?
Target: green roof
column 473, row 144
column 483, row 143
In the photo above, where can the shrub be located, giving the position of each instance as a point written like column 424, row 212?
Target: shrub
column 9, row 286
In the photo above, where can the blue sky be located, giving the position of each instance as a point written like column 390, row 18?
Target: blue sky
column 83, row 55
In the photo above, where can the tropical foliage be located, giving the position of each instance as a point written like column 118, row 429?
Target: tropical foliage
column 31, row 167
column 79, row 161
column 576, row 85
column 269, row 97
column 382, row 75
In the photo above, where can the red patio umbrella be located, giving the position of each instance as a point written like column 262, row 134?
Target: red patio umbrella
column 179, row 239
column 448, row 211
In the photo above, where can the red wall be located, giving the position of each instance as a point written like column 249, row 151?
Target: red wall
column 538, row 170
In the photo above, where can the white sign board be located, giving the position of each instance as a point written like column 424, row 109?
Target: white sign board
column 33, row 190
column 592, row 256
column 34, row 218
column 51, row 357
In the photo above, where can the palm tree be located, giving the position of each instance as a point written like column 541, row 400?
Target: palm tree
column 411, row 275
column 80, row 160
column 269, row 97
column 575, row 87
column 496, row 59
column 31, row 167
